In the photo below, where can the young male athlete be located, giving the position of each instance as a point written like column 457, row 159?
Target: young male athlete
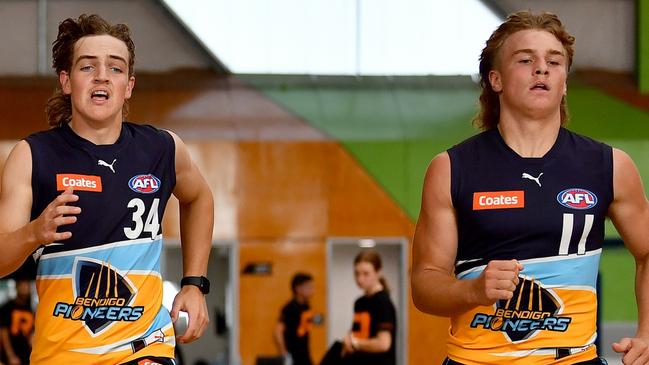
column 517, row 214
column 86, row 198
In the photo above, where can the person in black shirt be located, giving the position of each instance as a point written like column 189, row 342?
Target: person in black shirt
column 17, row 325
column 371, row 340
column 292, row 330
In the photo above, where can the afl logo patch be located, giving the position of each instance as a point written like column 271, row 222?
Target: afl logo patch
column 577, row 198
column 145, row 184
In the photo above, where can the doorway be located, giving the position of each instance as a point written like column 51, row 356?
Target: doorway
column 220, row 343
column 342, row 290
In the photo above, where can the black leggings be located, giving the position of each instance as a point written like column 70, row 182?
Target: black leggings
column 595, row 361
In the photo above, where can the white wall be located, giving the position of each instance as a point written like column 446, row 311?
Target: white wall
column 18, row 38
column 604, row 29
column 161, row 44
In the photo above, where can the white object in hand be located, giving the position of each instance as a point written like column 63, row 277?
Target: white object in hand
column 181, row 324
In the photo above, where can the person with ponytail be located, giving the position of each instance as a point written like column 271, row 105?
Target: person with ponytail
column 372, row 338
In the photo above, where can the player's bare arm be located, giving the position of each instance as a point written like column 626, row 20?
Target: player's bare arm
column 630, row 215
column 196, row 223
column 21, row 237
column 435, row 290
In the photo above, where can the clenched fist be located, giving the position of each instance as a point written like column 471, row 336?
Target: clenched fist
column 497, row 281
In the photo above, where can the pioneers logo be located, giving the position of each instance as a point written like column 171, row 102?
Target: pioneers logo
column 531, row 309
column 498, row 200
column 146, row 184
column 102, row 297
column 577, row 198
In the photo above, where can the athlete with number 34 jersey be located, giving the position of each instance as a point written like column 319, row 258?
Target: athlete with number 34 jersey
column 512, row 220
column 86, row 198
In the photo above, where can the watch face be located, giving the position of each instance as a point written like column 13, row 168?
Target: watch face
column 205, row 285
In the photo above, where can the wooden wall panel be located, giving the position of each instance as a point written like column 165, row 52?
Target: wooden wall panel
column 310, row 189
column 426, row 334
column 426, row 337
column 358, row 206
column 262, row 296
column 282, row 189
column 22, row 110
column 217, row 162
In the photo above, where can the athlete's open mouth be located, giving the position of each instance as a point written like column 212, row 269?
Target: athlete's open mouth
column 100, row 95
column 540, row 86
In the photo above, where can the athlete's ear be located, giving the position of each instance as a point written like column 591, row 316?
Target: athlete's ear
column 64, row 79
column 494, row 80
column 129, row 87
column 565, row 88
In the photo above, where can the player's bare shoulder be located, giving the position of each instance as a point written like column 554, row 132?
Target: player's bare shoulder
column 16, row 189
column 17, row 171
column 437, row 183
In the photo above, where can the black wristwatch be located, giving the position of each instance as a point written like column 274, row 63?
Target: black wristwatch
column 200, row 281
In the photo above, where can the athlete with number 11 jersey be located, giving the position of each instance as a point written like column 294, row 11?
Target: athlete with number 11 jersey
column 512, row 220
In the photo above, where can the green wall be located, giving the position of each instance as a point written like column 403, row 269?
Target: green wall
column 642, row 32
column 617, row 274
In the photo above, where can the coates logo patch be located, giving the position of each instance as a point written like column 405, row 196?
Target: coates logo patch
column 577, row 198
column 499, row 200
column 78, row 182
column 145, row 184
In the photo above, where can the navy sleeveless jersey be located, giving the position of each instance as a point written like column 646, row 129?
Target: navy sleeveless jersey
column 549, row 214
column 101, row 290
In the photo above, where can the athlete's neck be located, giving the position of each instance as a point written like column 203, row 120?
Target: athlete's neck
column 97, row 132
column 373, row 290
column 531, row 138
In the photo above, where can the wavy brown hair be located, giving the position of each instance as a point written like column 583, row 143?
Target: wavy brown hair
column 59, row 105
column 489, row 114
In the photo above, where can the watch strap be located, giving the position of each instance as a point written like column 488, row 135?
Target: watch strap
column 200, row 281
